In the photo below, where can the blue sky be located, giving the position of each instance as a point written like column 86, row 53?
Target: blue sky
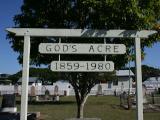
column 8, row 58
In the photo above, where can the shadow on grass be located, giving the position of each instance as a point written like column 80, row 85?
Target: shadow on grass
column 48, row 102
column 113, row 106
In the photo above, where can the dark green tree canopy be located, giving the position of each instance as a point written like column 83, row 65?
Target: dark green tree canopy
column 92, row 14
column 46, row 75
column 148, row 71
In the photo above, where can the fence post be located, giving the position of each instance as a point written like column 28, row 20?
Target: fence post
column 153, row 98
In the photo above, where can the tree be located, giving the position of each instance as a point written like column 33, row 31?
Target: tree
column 46, row 75
column 14, row 78
column 148, row 71
column 93, row 14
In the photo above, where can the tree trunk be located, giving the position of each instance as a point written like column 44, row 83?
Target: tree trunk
column 80, row 107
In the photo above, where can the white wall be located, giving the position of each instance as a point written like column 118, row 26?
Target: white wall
column 6, row 89
column 63, row 88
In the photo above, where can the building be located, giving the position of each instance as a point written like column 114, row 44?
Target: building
column 122, row 82
column 152, row 82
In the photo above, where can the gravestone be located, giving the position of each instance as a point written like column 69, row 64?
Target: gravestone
column 99, row 90
column 56, row 94
column 33, row 91
column 16, row 89
column 122, row 87
column 47, row 95
column 8, row 103
column 144, row 94
column 43, row 89
column 56, row 90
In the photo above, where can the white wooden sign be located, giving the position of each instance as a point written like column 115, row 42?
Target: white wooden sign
column 82, row 66
column 65, row 48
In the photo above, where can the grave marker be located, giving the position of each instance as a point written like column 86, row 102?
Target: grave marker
column 33, row 91
column 8, row 103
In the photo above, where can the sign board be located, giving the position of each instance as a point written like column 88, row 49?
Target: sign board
column 65, row 48
column 82, row 66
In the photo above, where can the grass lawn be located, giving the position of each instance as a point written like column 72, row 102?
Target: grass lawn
column 104, row 107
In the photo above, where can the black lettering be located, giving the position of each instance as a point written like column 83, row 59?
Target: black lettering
column 99, row 48
column 57, row 48
column 108, row 48
column 91, row 48
column 65, row 48
column 62, row 66
column 107, row 66
column 74, row 48
column 116, row 49
column 49, row 48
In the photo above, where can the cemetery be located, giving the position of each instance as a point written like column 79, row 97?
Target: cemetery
column 103, row 107
column 50, row 100
column 86, row 49
column 80, row 66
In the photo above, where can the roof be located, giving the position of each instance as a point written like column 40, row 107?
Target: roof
column 152, row 80
column 62, row 81
column 124, row 73
column 31, row 79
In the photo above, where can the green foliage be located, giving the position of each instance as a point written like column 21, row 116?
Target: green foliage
column 95, row 14
column 148, row 71
column 46, row 75
column 15, row 77
column 5, row 81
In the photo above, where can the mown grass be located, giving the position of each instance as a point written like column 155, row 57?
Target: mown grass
column 104, row 107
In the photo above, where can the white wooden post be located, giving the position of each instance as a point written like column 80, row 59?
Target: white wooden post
column 25, row 78
column 139, row 95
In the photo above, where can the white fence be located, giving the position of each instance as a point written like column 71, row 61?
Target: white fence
column 6, row 89
column 40, row 90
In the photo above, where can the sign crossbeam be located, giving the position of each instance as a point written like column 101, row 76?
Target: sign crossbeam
column 37, row 32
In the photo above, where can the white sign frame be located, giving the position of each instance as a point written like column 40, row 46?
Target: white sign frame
column 37, row 32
